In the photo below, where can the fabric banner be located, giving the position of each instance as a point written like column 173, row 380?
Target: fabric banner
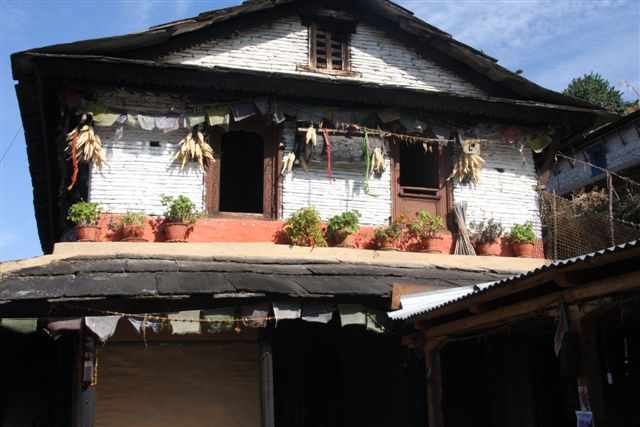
column 103, row 326
column 318, row 312
column 58, row 325
column 167, row 123
column 352, row 314
column 191, row 325
column 21, row 325
column 140, row 324
column 262, row 105
column 105, row 119
column 146, row 122
column 242, row 110
column 255, row 316
column 284, row 310
column 219, row 116
column 194, row 119
column 222, row 319
column 377, row 321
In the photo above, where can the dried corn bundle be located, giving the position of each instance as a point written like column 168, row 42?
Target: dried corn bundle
column 287, row 164
column 86, row 144
column 310, row 136
column 194, row 150
column 377, row 161
column 467, row 167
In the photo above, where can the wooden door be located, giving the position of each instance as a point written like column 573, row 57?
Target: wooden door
column 420, row 180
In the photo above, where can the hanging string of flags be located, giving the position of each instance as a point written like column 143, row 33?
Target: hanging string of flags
column 208, row 320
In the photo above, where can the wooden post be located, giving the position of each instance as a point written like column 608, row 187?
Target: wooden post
column 590, row 376
column 434, row 381
column 266, row 377
column 86, row 398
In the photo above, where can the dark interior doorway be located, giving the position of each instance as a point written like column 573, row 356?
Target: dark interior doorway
column 328, row 375
column 418, row 167
column 241, row 172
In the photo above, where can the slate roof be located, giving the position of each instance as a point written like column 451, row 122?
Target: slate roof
column 160, row 277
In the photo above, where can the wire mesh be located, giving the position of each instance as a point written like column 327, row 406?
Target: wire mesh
column 570, row 230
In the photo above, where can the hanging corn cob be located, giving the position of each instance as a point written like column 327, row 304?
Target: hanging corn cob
column 86, row 147
column 467, row 167
column 287, row 164
column 194, row 150
column 377, row 161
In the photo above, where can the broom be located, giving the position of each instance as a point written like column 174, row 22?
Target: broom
column 463, row 244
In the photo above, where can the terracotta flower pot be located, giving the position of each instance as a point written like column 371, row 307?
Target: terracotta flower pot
column 490, row 249
column 176, row 232
column 344, row 239
column 387, row 245
column 523, row 250
column 431, row 245
column 133, row 233
column 88, row 233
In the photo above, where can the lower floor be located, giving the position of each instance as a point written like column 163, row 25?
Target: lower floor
column 296, row 374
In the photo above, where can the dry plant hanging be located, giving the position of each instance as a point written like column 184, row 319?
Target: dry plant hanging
column 86, row 147
column 469, row 163
column 377, row 161
column 194, row 150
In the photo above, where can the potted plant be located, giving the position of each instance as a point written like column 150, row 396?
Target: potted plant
column 522, row 238
column 131, row 226
column 425, row 227
column 179, row 217
column 304, row 228
column 86, row 217
column 487, row 235
column 387, row 236
column 341, row 227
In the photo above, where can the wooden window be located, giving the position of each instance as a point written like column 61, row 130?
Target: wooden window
column 329, row 52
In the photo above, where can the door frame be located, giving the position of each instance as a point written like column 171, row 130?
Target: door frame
column 272, row 160
column 444, row 197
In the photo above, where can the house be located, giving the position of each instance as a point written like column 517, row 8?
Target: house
column 231, row 326
column 593, row 192
column 584, row 309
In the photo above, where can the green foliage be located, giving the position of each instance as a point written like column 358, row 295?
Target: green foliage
column 131, row 218
column 487, row 231
column 180, row 210
column 425, row 225
column 522, row 233
column 348, row 221
column 388, row 232
column 628, row 208
column 305, row 228
column 594, row 88
column 84, row 213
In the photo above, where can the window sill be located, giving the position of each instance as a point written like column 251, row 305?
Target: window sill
column 340, row 73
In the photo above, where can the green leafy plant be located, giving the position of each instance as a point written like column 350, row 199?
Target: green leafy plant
column 84, row 213
column 522, row 233
column 425, row 225
column 348, row 221
column 488, row 231
column 305, row 228
column 388, row 232
column 180, row 210
column 131, row 218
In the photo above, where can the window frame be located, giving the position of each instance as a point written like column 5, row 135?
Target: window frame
column 345, row 54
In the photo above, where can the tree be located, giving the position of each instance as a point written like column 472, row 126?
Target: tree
column 594, row 88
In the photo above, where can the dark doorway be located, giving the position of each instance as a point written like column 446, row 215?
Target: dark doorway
column 328, row 375
column 241, row 172
column 418, row 167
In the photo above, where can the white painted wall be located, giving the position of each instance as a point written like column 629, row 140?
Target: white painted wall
column 566, row 178
column 508, row 196
column 345, row 192
column 137, row 175
column 283, row 45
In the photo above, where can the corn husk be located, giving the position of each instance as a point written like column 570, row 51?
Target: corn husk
column 311, row 136
column 287, row 163
column 377, row 161
column 88, row 146
column 194, row 149
column 467, row 167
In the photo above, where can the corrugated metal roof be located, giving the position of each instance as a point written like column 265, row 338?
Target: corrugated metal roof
column 416, row 304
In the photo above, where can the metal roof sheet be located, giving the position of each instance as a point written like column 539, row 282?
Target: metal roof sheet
column 416, row 304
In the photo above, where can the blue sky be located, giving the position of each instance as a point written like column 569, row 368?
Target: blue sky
column 552, row 41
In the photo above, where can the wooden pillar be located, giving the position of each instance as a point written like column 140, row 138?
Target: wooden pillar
column 86, row 396
column 434, row 381
column 266, row 377
column 591, row 372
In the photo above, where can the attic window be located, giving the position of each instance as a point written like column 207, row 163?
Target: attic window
column 329, row 50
